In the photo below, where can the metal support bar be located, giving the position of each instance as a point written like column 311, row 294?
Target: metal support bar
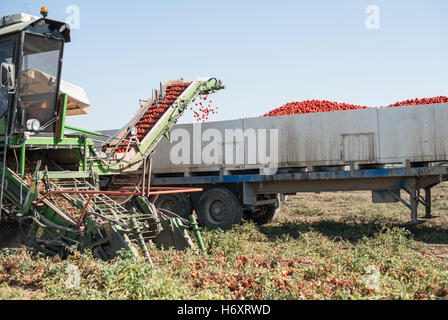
column 411, row 186
column 137, row 193
column 155, row 199
column 149, row 167
column 144, row 178
column 400, row 199
column 428, row 202
column 414, row 206
column 422, row 200
column 22, row 162
column 84, row 211
column 84, row 161
column 92, row 133
column 60, row 126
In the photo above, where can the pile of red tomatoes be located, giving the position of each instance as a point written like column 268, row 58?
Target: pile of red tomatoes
column 310, row 106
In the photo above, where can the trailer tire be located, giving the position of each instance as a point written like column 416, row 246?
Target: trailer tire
column 219, row 207
column 178, row 203
column 264, row 214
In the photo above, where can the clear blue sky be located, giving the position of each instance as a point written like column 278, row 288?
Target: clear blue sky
column 266, row 52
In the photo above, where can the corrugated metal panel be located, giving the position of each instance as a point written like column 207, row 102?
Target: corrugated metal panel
column 366, row 136
column 407, row 133
column 358, row 147
column 318, row 138
column 441, row 131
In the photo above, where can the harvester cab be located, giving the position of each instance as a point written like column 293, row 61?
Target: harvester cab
column 31, row 50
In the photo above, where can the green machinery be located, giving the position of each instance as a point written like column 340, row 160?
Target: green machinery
column 62, row 189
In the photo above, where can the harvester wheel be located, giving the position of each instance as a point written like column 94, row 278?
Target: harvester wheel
column 178, row 203
column 264, row 214
column 219, row 207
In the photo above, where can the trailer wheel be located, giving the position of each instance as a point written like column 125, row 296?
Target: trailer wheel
column 220, row 208
column 264, row 214
column 178, row 203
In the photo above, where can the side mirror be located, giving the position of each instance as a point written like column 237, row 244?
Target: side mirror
column 8, row 74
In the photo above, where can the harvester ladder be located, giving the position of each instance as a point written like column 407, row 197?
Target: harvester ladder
column 99, row 203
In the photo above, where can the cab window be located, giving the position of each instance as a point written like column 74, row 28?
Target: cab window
column 6, row 55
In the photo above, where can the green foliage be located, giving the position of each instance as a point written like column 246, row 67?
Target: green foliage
column 327, row 253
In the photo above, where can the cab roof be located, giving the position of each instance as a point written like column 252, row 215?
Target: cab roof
column 62, row 27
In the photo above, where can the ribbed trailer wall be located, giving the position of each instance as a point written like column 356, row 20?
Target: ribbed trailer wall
column 355, row 137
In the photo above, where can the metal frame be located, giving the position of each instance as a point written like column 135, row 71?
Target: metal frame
column 156, row 191
column 160, row 129
column 58, row 83
column 12, row 101
column 17, row 32
column 385, row 179
column 40, row 208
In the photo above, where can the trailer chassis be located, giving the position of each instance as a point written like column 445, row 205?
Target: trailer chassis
column 385, row 184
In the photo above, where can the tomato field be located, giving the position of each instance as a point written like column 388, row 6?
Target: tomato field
column 327, row 246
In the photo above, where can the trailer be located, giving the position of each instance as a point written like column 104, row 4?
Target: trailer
column 384, row 150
